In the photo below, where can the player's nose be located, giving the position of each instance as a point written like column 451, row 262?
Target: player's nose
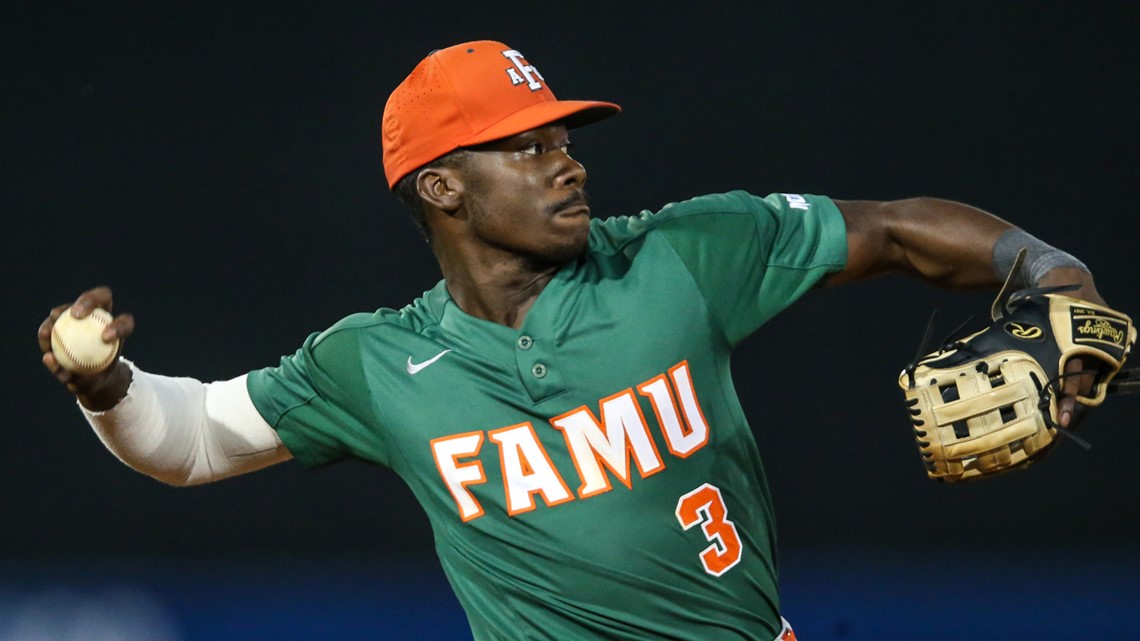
column 570, row 172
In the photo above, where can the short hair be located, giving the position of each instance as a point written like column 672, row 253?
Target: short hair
column 408, row 194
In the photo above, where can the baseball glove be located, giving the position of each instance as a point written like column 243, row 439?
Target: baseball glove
column 986, row 402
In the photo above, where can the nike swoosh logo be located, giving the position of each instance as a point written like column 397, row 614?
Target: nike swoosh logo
column 414, row 368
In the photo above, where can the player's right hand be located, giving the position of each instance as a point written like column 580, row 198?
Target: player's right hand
column 100, row 390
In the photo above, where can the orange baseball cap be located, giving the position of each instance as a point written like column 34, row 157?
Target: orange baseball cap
column 468, row 94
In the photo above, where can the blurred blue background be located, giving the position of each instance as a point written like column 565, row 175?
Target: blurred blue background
column 219, row 166
column 940, row 595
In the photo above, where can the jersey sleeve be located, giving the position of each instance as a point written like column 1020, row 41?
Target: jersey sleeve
column 317, row 401
column 750, row 257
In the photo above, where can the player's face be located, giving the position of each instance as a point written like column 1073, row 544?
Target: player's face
column 525, row 195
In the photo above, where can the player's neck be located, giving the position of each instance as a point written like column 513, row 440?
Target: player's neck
column 499, row 289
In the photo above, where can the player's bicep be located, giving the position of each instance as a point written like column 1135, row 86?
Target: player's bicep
column 871, row 250
column 240, row 431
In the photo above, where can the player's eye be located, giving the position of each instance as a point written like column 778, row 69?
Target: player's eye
column 537, row 148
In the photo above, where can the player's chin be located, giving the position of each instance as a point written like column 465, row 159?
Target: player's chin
column 568, row 243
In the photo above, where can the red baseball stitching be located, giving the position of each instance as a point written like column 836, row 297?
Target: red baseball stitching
column 84, row 367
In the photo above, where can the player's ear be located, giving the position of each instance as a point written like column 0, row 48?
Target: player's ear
column 441, row 187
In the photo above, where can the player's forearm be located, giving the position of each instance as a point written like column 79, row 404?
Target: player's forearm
column 942, row 242
column 183, row 432
column 948, row 244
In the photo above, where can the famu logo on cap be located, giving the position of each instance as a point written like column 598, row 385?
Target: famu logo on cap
column 1024, row 331
column 529, row 75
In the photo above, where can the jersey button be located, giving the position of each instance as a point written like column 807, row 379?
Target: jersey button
column 525, row 342
column 539, row 370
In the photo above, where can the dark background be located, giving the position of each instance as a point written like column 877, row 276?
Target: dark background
column 220, row 168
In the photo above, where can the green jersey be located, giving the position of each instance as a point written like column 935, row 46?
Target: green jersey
column 590, row 475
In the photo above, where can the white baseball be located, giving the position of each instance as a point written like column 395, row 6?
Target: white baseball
column 78, row 342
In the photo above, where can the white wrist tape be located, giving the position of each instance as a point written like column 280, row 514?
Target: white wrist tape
column 184, row 432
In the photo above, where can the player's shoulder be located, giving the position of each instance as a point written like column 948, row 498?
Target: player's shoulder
column 415, row 317
column 613, row 233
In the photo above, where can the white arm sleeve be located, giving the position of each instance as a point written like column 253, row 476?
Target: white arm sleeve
column 185, row 432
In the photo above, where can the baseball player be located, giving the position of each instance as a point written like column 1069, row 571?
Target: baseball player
column 561, row 403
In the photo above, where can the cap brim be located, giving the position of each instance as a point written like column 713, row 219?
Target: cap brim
column 572, row 113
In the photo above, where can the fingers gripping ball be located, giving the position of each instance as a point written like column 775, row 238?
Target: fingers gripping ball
column 78, row 342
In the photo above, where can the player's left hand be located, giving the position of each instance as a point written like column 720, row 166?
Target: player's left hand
column 989, row 401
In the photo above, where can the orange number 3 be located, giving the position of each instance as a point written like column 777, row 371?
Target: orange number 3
column 705, row 505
